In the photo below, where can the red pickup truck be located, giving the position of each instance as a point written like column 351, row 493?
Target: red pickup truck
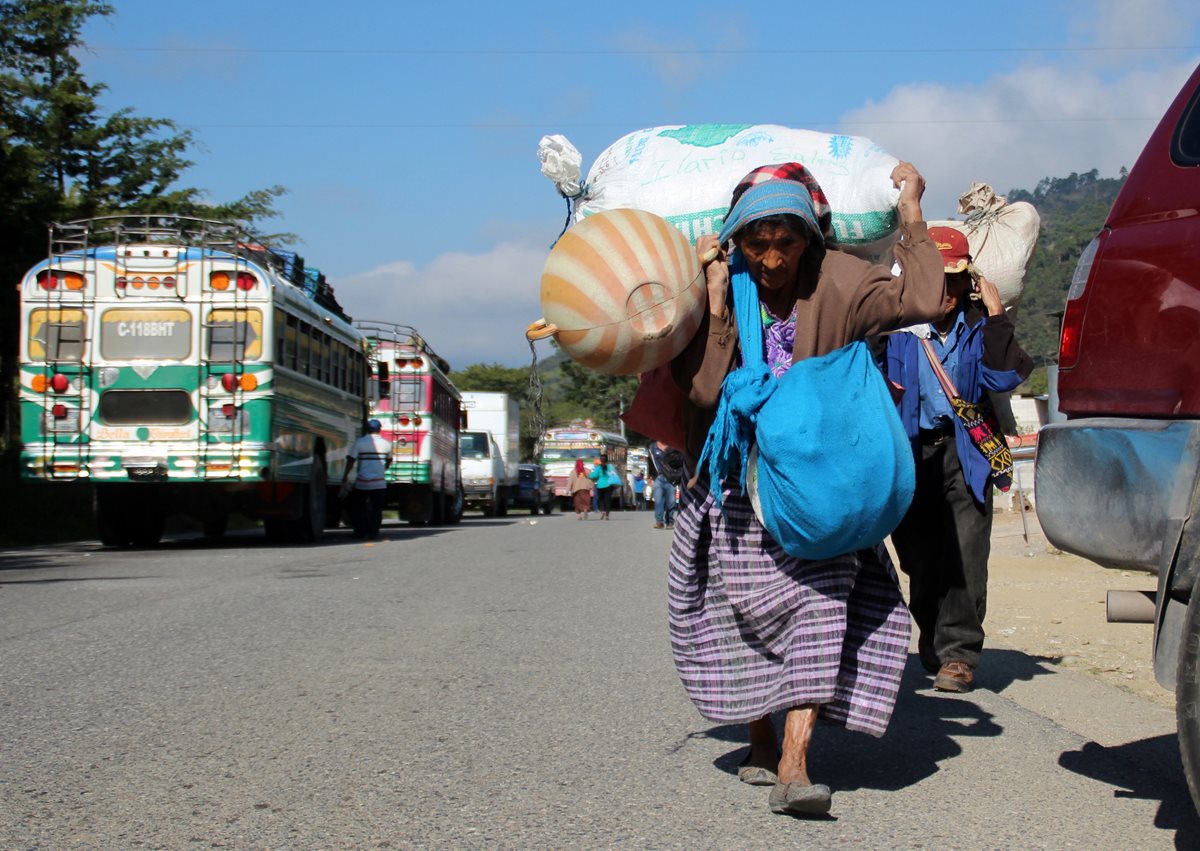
column 1119, row 481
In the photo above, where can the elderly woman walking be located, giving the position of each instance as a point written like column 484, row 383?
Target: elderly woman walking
column 580, row 488
column 754, row 630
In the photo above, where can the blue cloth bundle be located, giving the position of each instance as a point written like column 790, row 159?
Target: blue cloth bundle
column 834, row 470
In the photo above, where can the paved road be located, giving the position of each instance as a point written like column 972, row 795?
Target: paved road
column 499, row 684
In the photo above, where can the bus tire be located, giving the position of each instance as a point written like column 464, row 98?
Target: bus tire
column 148, row 531
column 112, row 526
column 215, row 525
column 420, row 509
column 310, row 526
column 440, row 502
column 277, row 529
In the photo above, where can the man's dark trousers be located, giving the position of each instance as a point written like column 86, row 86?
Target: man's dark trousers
column 944, row 542
column 367, row 512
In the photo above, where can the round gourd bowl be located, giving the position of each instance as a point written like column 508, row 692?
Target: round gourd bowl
column 622, row 292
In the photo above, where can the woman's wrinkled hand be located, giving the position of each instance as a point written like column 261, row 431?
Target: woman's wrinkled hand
column 911, row 184
column 715, row 263
column 990, row 296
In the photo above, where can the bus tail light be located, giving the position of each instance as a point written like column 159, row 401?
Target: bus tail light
column 40, row 383
column 228, row 410
column 53, row 279
column 416, row 420
column 231, row 382
column 222, row 281
column 59, row 383
column 59, row 412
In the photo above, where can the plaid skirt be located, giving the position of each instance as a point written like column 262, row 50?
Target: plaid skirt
column 756, row 631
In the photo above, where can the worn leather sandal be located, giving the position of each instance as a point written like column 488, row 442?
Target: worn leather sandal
column 798, row 799
column 756, row 775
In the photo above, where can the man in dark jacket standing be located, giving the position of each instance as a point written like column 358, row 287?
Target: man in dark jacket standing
column 945, row 538
column 668, row 463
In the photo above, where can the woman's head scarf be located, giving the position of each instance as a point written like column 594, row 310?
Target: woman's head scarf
column 580, row 467
column 807, row 201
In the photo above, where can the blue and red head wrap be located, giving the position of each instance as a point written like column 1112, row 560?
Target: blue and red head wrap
column 776, row 189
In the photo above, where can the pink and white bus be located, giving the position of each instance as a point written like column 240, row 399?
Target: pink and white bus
column 410, row 393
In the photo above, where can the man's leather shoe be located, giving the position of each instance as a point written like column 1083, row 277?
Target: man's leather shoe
column 954, row 676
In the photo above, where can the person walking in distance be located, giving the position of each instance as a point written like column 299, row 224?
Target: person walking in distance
column 668, row 465
column 945, row 538
column 607, row 480
column 580, row 488
column 371, row 454
column 639, row 491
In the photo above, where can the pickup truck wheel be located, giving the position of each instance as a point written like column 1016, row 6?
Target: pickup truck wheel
column 501, row 502
column 1187, row 697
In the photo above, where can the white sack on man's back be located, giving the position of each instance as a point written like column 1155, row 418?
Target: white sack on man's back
column 1001, row 235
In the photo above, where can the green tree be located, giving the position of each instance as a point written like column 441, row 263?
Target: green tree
column 61, row 158
column 602, row 396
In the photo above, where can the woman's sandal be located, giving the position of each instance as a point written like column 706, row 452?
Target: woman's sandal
column 756, row 775
column 800, row 799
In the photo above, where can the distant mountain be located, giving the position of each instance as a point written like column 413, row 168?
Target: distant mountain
column 1073, row 210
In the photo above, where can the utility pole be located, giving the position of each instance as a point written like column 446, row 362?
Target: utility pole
column 621, row 410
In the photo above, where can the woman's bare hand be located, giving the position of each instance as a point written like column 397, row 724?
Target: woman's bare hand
column 716, row 272
column 911, row 184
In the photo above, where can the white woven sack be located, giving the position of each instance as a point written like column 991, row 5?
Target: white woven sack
column 687, row 173
column 1001, row 235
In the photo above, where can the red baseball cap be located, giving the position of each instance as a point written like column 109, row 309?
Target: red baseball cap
column 956, row 253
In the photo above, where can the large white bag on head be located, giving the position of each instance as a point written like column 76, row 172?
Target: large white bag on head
column 1001, row 235
column 686, row 174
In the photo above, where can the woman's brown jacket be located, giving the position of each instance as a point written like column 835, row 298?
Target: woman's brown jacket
column 852, row 300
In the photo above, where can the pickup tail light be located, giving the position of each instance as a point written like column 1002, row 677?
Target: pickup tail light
column 1072, row 322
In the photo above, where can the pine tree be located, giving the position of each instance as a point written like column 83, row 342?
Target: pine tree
column 61, row 158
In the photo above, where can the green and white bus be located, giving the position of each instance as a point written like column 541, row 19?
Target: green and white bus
column 183, row 367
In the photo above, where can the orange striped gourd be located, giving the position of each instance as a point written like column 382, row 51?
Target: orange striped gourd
column 622, row 292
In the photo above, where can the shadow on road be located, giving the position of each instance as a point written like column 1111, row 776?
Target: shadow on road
column 922, row 734
column 1149, row 769
column 926, row 725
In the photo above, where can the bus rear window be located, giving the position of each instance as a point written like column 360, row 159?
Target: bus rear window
column 235, row 335
column 131, row 333
column 56, row 334
column 145, row 407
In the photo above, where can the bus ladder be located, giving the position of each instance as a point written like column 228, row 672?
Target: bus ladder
column 236, row 340
column 69, row 247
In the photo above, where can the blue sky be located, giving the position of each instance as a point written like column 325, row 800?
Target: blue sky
column 406, row 133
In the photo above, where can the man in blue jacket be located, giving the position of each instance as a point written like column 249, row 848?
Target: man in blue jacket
column 945, row 538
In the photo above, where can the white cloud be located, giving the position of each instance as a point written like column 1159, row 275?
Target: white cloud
column 1136, row 23
column 472, row 308
column 1016, row 128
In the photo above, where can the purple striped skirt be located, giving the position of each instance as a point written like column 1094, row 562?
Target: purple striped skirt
column 756, row 631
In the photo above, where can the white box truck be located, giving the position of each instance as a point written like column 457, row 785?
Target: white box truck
column 489, row 450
